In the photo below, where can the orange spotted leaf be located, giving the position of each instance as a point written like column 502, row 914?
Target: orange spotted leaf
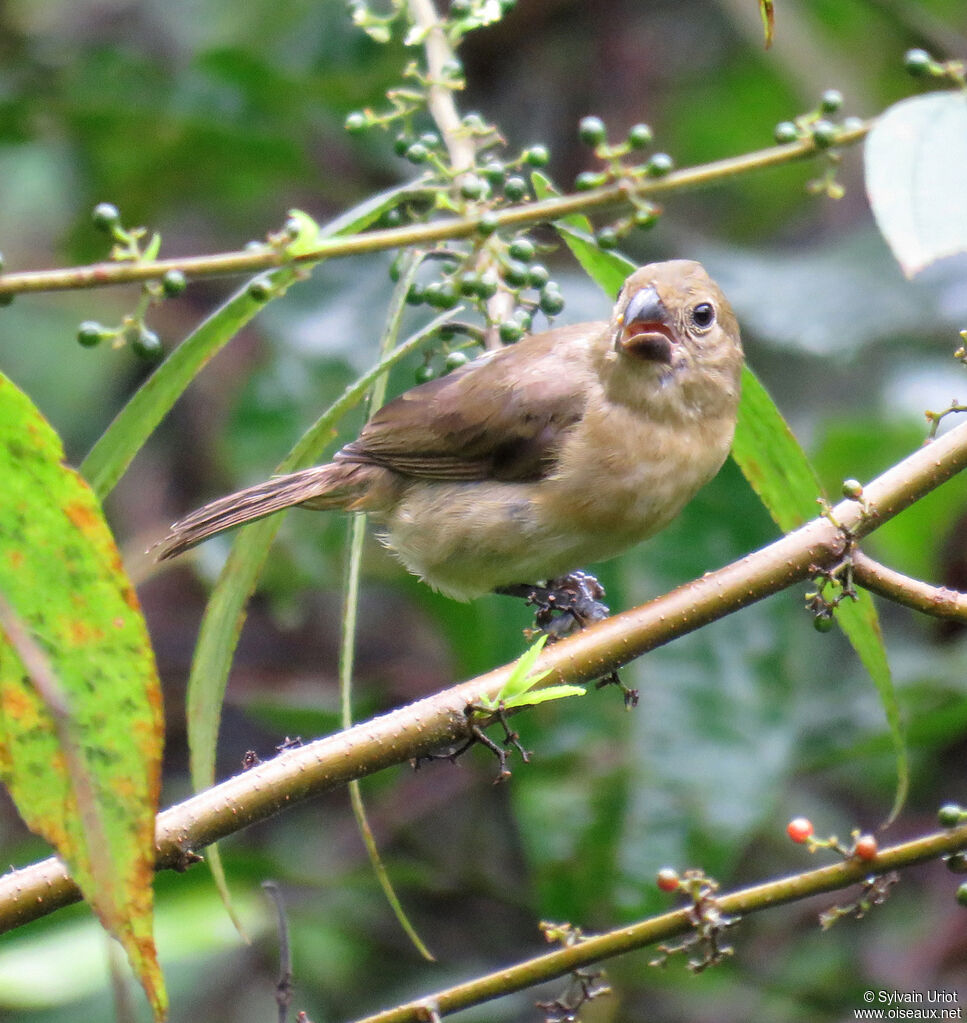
column 80, row 704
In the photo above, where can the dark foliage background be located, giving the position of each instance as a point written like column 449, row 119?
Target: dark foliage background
column 208, row 120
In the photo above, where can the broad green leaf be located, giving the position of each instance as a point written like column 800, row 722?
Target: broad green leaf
column 915, row 155
column 82, row 767
column 780, row 473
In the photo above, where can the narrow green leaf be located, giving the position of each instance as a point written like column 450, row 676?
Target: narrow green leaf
column 778, row 470
column 533, row 698
column 80, row 703
column 914, row 160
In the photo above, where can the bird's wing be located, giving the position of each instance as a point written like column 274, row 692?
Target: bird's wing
column 501, row 417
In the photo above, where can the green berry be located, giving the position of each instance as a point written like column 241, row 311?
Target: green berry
column 6, row 298
column 90, row 333
column 430, row 139
column 831, row 101
column 401, row 143
column 962, row 895
column 950, row 815
column 551, row 301
column 424, row 374
column 488, row 222
column 356, row 122
column 469, row 284
column 607, row 238
column 852, row 489
column 639, row 136
column 173, row 283
column 147, row 345
column 494, row 172
column 515, row 188
column 521, row 248
column 106, row 216
column 592, row 131
column 956, row 862
column 537, row 156
column 645, row 217
column 455, row 360
column 474, row 122
column 515, row 274
column 260, row 289
column 918, row 63
column 537, row 275
column 440, row 295
column 417, row 153
column 509, row 332
column 488, row 284
column 587, row 180
column 452, row 69
column 786, row 132
column 416, row 295
column 824, row 133
column 659, row 165
column 392, row 218
column 823, row 622
column 472, row 187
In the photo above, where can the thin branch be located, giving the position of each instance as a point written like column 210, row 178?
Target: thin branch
column 283, row 987
column 596, row 948
column 936, row 601
column 256, row 260
column 436, row 721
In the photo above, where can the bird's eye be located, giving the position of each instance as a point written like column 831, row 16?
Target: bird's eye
column 703, row 315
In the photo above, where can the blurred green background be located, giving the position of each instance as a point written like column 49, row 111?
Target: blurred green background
column 209, row 120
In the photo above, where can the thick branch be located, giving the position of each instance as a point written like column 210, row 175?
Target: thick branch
column 438, row 720
column 594, row 949
column 220, row 264
column 936, row 601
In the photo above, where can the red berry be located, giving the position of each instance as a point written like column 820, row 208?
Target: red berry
column 799, row 829
column 667, row 879
column 865, row 848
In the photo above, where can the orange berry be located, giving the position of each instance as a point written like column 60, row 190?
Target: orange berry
column 799, row 829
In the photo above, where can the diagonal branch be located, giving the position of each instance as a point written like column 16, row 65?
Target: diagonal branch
column 437, row 720
column 936, row 601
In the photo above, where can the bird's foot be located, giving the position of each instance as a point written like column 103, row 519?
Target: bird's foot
column 477, row 736
column 567, row 603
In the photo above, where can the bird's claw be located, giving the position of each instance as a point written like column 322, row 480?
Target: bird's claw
column 565, row 604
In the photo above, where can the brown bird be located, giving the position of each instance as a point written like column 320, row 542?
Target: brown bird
column 566, row 448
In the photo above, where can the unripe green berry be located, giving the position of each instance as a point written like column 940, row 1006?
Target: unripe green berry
column 488, row 284
column 417, row 153
column 521, row 248
column 587, row 180
column 645, row 217
column 392, row 218
column 173, row 283
column 852, row 489
column 440, row 295
column 455, row 360
column 515, row 274
column 90, row 333
column 147, row 345
column 523, row 318
column 424, row 374
column 469, row 284
column 515, row 188
column 824, row 133
column 831, row 101
column 956, row 862
column 537, row 156
column 509, row 332
column 639, row 136
column 786, row 132
column 106, row 216
column 430, row 139
column 918, row 63
column 494, row 172
column 472, row 187
column 607, row 238
column 6, row 298
column 823, row 622
column 488, row 222
column 950, row 815
column 260, row 289
column 551, row 301
column 401, row 143
column 592, row 131
column 416, row 295
column 356, row 122
column 962, row 895
column 659, row 165
column 537, row 275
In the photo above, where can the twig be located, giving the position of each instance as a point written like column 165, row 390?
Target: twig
column 936, row 601
column 283, row 989
column 254, row 261
column 436, row 721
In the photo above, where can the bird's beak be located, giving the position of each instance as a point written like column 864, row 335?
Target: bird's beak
column 645, row 329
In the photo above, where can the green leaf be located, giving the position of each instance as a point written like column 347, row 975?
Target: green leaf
column 778, row 470
column 915, row 155
column 532, row 699
column 80, row 704
column 768, row 14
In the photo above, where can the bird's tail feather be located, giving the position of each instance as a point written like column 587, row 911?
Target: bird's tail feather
column 328, row 486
